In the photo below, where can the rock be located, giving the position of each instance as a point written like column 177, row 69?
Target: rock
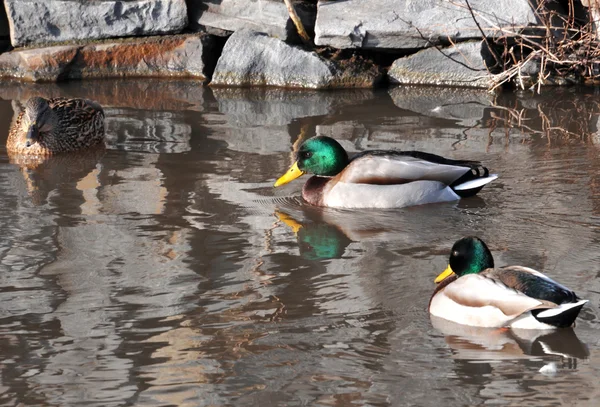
column 460, row 65
column 35, row 22
column 266, row 16
column 250, row 58
column 172, row 56
column 396, row 23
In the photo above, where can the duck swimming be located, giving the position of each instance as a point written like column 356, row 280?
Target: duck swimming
column 381, row 179
column 50, row 126
column 472, row 292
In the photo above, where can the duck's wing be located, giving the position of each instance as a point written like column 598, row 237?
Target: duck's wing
column 478, row 300
column 533, row 284
column 76, row 111
column 400, row 167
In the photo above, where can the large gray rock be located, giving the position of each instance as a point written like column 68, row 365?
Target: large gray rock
column 267, row 16
column 167, row 56
column 460, row 65
column 250, row 58
column 48, row 21
column 396, row 23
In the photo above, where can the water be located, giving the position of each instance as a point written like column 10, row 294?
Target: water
column 165, row 270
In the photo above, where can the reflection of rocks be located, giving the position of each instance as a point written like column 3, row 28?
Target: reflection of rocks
column 132, row 93
column 187, row 56
column 267, row 107
column 258, row 119
column 157, row 132
column 465, row 105
column 263, row 140
column 148, row 196
column 47, row 21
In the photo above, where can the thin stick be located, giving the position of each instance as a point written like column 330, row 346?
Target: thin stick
column 299, row 26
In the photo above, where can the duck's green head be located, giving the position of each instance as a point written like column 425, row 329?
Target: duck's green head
column 469, row 255
column 318, row 155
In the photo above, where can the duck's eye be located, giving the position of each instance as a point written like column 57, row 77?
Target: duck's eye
column 455, row 253
column 305, row 154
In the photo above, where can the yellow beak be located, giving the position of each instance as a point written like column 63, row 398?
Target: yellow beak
column 291, row 174
column 444, row 275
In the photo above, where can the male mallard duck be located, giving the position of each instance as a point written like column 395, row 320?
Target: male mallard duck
column 472, row 292
column 381, row 179
column 50, row 126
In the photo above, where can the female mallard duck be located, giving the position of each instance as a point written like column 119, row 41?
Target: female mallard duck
column 472, row 292
column 51, row 126
column 381, row 179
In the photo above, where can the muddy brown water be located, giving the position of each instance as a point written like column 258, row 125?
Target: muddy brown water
column 165, row 270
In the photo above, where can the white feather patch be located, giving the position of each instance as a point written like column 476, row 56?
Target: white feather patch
column 476, row 183
column 479, row 301
column 400, row 167
column 348, row 195
column 560, row 309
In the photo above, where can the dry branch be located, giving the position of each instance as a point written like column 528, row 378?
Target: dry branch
column 297, row 22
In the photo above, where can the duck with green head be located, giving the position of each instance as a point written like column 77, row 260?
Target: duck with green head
column 472, row 292
column 381, row 179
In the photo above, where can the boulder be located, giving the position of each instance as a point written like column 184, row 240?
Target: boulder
column 36, row 22
column 170, row 56
column 409, row 24
column 267, row 16
column 250, row 58
column 460, row 65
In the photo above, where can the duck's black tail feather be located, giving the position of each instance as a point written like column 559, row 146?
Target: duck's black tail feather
column 472, row 181
column 562, row 316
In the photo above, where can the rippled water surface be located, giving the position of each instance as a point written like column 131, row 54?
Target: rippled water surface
column 166, row 271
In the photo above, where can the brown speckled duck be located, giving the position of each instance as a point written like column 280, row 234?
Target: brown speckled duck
column 51, row 126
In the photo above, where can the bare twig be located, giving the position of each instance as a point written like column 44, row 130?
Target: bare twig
column 297, row 22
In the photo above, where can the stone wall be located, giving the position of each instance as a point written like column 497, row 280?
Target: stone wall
column 255, row 42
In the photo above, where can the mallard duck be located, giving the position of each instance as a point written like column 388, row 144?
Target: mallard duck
column 381, row 179
column 50, row 126
column 472, row 292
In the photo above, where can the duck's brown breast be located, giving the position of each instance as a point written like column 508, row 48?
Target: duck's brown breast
column 314, row 189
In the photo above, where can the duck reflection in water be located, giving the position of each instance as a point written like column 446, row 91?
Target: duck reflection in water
column 44, row 175
column 489, row 344
column 317, row 241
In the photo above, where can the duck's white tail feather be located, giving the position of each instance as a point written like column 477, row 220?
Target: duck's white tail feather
column 562, row 316
column 552, row 312
column 475, row 183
